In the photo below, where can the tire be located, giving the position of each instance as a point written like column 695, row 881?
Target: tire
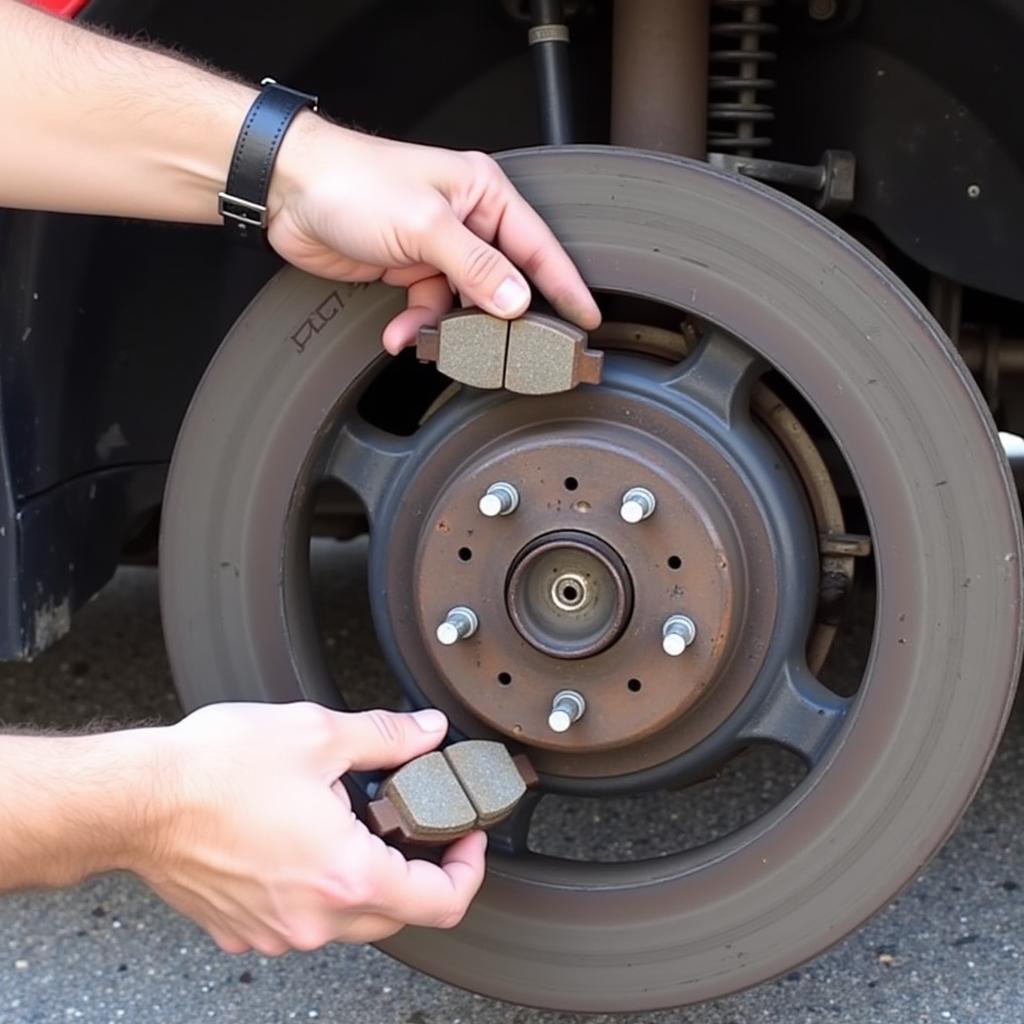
column 946, row 532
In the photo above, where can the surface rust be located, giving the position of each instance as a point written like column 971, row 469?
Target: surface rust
column 702, row 554
column 838, row 549
column 610, row 934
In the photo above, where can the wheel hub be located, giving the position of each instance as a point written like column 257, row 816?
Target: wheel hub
column 569, row 594
column 571, row 588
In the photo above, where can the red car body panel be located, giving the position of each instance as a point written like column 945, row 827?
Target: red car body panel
column 64, row 8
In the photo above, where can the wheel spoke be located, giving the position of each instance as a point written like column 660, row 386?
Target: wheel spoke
column 510, row 836
column 802, row 715
column 720, row 374
column 366, row 459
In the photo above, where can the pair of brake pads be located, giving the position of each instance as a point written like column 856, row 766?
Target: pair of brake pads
column 532, row 355
column 446, row 794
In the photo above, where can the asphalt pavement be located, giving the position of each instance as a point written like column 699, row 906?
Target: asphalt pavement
column 948, row 950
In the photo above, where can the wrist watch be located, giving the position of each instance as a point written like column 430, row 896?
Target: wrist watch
column 243, row 203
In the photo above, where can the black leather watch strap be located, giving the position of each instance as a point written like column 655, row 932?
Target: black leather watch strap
column 243, row 203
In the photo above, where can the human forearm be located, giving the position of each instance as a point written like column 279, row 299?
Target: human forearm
column 101, row 126
column 73, row 806
column 96, row 125
column 235, row 816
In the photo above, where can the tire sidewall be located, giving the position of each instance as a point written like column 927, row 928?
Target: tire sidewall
column 947, row 539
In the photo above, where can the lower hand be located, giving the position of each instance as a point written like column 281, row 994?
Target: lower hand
column 256, row 841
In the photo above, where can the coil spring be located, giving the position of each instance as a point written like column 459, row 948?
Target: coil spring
column 738, row 123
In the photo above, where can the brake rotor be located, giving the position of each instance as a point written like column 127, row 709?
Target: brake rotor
column 837, row 570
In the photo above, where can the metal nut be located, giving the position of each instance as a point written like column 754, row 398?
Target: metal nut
column 500, row 499
column 567, row 708
column 638, row 503
column 460, row 624
column 677, row 633
column 822, row 10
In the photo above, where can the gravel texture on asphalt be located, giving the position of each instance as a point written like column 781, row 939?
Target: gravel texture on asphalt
column 947, row 950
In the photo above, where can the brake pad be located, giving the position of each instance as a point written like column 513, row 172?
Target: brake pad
column 533, row 355
column 443, row 795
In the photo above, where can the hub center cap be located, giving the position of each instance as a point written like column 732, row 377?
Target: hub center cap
column 569, row 594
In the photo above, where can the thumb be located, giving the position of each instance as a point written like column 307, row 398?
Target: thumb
column 368, row 740
column 479, row 272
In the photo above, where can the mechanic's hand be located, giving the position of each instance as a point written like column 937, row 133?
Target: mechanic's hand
column 258, row 842
column 355, row 207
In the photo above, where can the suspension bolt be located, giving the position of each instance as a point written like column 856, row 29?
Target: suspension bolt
column 677, row 633
column 567, row 708
column 460, row 624
column 822, row 10
column 637, row 504
column 500, row 499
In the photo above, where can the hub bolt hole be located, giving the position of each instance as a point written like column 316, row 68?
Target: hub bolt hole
column 465, row 554
column 634, row 685
column 571, row 483
column 675, row 562
column 504, row 678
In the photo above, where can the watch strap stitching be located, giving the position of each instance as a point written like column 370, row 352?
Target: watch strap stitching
column 242, row 204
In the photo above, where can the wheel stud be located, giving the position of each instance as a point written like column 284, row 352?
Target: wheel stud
column 567, row 708
column 460, row 623
column 677, row 633
column 500, row 499
column 637, row 504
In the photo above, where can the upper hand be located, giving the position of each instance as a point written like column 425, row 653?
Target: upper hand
column 255, row 838
column 354, row 207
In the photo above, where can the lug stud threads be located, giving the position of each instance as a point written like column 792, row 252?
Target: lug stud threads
column 566, row 709
column 638, row 504
column 460, row 624
column 677, row 634
column 500, row 499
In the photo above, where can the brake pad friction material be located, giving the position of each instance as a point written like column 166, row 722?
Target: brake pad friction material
column 546, row 356
column 446, row 794
column 427, row 800
column 489, row 777
column 471, row 348
column 533, row 355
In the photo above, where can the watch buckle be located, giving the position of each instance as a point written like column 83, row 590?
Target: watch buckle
column 253, row 215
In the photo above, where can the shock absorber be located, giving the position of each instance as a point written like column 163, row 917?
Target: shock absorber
column 739, row 120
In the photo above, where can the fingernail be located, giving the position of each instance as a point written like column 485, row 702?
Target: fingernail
column 511, row 295
column 431, row 720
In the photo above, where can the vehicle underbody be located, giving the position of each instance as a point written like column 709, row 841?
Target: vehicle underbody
column 801, row 237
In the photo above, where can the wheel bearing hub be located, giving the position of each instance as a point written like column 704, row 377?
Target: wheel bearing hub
column 569, row 594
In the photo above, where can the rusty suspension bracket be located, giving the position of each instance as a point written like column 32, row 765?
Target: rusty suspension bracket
column 446, row 794
column 831, row 180
column 533, row 355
